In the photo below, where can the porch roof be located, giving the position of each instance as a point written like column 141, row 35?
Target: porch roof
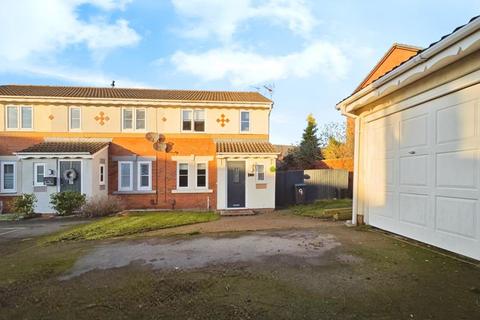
column 248, row 146
column 66, row 147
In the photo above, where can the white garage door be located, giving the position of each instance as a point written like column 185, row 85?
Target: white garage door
column 423, row 172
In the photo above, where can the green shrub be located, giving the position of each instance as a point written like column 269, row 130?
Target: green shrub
column 25, row 205
column 100, row 206
column 67, row 202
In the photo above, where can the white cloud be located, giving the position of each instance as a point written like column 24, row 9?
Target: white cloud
column 243, row 68
column 35, row 32
column 222, row 18
column 75, row 75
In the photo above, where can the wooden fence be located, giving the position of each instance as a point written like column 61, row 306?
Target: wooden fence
column 320, row 184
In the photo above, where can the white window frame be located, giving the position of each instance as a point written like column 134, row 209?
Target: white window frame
column 123, row 118
column 101, row 175
column 257, row 172
column 134, row 120
column 249, row 121
column 130, row 187
column 192, row 120
column 19, row 126
column 2, row 174
column 178, row 175
column 35, row 172
column 70, row 119
column 206, row 174
column 139, row 177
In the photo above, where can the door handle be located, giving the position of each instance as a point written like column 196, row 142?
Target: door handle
column 411, row 152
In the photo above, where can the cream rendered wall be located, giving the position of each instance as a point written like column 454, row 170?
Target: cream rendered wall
column 55, row 118
column 254, row 198
column 98, row 158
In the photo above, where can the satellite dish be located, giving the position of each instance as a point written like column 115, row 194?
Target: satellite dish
column 152, row 136
column 160, row 146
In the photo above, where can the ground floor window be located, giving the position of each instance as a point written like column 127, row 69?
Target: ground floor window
column 183, row 175
column 201, row 175
column 8, row 173
column 134, row 175
column 101, row 174
column 125, row 176
column 260, row 170
column 144, row 175
column 39, row 174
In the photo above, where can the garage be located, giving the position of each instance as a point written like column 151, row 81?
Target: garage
column 417, row 145
column 423, row 172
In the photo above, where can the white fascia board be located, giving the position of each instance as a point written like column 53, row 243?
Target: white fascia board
column 247, row 155
column 136, row 102
column 446, row 51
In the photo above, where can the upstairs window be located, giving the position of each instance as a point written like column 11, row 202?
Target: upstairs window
column 39, row 174
column 244, row 121
column 186, row 120
column 193, row 120
column 19, row 117
column 183, row 175
column 199, row 120
column 140, row 119
column 127, row 119
column 75, row 118
column 8, row 177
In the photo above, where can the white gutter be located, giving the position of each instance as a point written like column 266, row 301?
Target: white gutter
column 119, row 101
column 421, row 58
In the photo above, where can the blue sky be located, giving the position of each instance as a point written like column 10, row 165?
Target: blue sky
column 314, row 52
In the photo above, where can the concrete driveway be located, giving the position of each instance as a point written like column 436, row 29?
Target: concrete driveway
column 24, row 229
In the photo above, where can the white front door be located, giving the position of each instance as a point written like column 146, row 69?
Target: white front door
column 423, row 172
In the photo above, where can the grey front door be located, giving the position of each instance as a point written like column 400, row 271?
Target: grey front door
column 70, row 175
column 236, row 184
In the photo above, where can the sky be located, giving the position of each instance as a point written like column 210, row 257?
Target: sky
column 312, row 53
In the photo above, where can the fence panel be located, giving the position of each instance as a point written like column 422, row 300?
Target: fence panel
column 285, row 187
column 326, row 184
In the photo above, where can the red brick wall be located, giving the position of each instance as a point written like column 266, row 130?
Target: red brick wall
column 164, row 173
column 7, row 203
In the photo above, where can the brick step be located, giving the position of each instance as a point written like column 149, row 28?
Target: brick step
column 236, row 213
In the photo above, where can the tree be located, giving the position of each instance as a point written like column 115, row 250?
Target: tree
column 307, row 152
column 334, row 141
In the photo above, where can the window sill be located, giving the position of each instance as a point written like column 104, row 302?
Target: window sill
column 135, row 192
column 192, row 191
column 9, row 194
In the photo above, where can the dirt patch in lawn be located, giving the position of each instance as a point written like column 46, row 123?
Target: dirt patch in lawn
column 199, row 252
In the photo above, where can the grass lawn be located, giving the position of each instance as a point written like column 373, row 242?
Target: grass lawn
column 135, row 222
column 324, row 208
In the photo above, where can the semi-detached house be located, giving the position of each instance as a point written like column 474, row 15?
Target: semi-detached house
column 153, row 148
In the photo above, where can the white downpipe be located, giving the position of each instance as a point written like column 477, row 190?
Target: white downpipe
column 356, row 162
